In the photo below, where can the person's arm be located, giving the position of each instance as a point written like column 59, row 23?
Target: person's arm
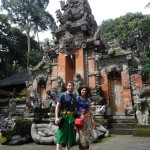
column 56, row 113
column 89, row 105
column 76, row 100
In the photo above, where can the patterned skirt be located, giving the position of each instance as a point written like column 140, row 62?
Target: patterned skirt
column 86, row 133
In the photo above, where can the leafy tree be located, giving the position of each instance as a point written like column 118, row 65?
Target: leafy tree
column 146, row 69
column 13, row 48
column 29, row 15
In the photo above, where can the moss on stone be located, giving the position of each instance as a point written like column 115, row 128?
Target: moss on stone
column 3, row 139
column 142, row 131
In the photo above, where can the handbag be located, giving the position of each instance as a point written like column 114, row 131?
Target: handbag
column 79, row 122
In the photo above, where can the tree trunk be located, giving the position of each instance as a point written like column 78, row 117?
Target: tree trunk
column 38, row 38
column 29, row 49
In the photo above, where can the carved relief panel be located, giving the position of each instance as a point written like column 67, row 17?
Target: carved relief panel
column 115, row 93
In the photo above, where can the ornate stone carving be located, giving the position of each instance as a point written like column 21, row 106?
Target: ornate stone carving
column 60, row 85
column 113, row 68
column 53, row 28
column 141, row 106
column 58, row 14
column 76, row 22
column 43, row 133
column 12, row 107
column 41, row 78
column 6, row 124
column 44, row 63
column 100, row 110
column 34, row 102
column 51, row 98
column 67, row 43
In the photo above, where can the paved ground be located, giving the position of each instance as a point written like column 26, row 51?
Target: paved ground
column 117, row 142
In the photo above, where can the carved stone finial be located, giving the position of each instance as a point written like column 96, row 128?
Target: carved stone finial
column 76, row 23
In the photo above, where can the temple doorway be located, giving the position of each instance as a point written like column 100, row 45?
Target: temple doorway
column 115, row 93
column 70, row 67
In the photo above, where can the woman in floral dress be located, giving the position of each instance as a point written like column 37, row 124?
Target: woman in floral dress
column 85, row 132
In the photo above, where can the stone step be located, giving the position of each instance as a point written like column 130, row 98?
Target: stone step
column 123, row 125
column 123, row 119
column 121, row 131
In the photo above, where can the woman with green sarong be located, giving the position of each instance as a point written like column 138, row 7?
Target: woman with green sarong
column 66, row 105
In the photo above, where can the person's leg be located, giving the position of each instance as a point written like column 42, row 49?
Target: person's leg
column 66, row 147
column 81, row 148
column 58, row 146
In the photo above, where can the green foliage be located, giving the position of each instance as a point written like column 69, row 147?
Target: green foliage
column 146, row 69
column 13, row 49
column 29, row 15
column 35, row 56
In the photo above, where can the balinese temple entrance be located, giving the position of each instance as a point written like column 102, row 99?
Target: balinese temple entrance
column 115, row 92
column 80, row 55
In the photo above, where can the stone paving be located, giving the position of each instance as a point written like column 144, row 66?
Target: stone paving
column 118, row 142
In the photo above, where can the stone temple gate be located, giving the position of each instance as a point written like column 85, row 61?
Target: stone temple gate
column 79, row 54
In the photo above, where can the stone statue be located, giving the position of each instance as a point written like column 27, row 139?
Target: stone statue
column 141, row 106
column 60, row 85
column 77, row 83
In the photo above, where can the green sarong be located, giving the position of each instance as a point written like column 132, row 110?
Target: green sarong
column 66, row 134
